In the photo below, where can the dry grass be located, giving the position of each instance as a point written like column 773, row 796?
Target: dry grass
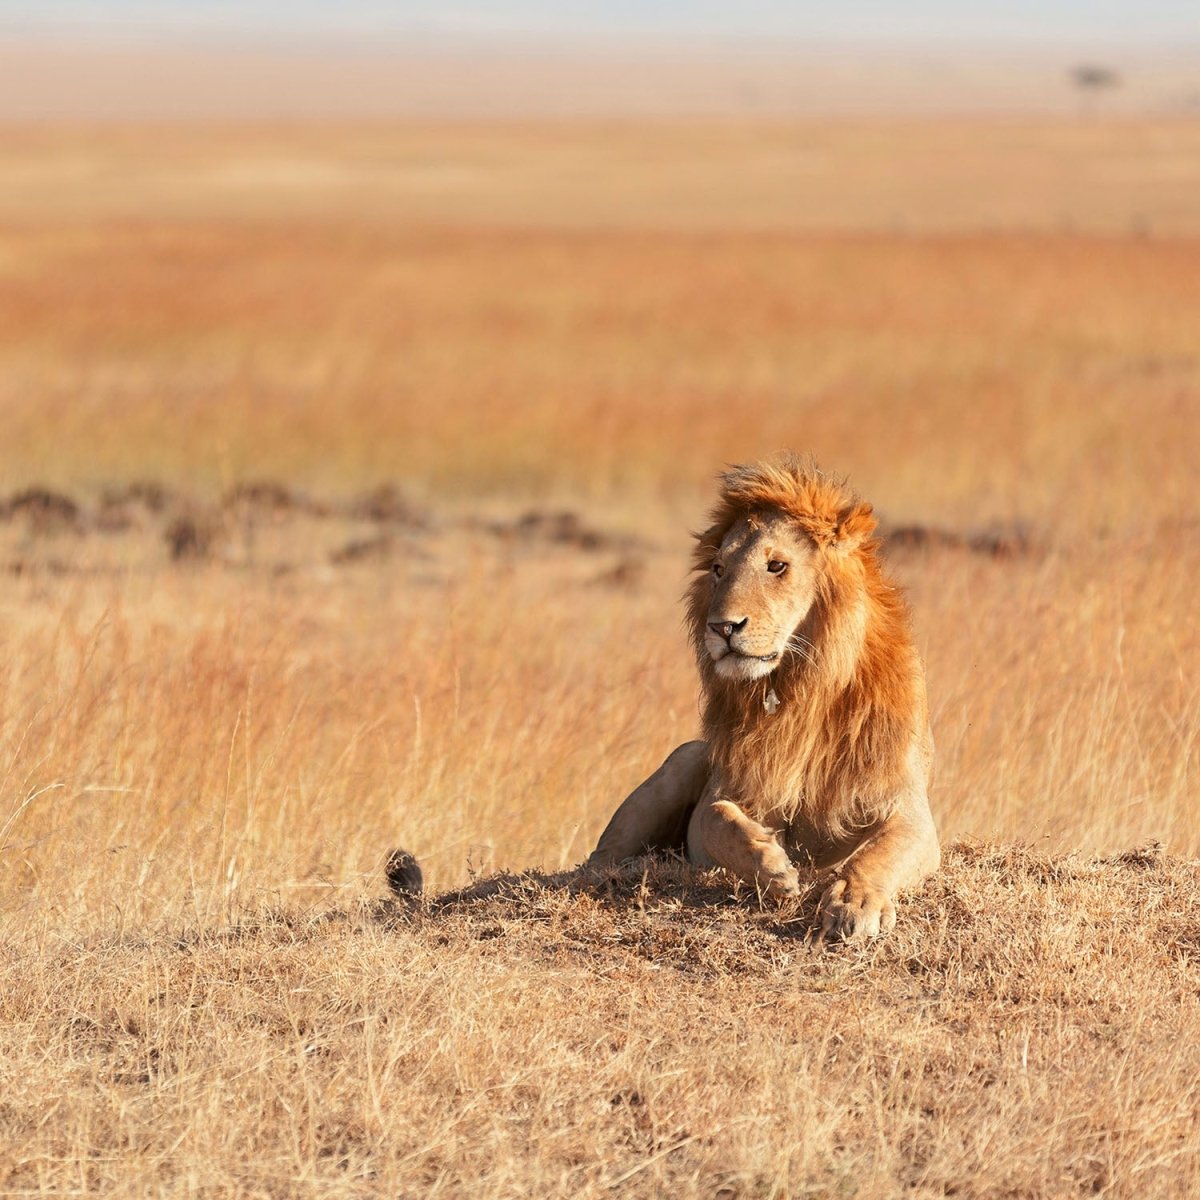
column 219, row 709
column 1028, row 1031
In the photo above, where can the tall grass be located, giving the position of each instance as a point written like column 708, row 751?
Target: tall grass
column 187, row 744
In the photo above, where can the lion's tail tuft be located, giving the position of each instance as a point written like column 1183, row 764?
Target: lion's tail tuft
column 403, row 873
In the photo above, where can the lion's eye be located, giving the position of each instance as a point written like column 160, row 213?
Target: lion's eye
column 776, row 567
column 718, row 570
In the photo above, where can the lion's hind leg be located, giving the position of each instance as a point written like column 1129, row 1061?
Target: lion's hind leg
column 655, row 815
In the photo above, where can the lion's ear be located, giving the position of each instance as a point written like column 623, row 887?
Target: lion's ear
column 855, row 525
column 707, row 544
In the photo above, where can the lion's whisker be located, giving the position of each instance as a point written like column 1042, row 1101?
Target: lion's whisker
column 801, row 647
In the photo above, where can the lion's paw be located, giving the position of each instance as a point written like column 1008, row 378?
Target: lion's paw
column 780, row 886
column 852, row 912
column 777, row 877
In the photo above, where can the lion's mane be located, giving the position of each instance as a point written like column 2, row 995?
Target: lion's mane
column 851, row 698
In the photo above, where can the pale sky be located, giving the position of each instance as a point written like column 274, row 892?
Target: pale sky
column 1162, row 23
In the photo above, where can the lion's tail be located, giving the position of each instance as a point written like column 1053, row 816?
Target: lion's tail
column 403, row 874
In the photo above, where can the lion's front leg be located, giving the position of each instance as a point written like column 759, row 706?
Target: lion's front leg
column 860, row 904
column 721, row 834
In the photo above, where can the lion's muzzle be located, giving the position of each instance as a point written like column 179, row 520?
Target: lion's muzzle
column 731, row 645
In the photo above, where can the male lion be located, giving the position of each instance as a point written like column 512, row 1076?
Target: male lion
column 817, row 744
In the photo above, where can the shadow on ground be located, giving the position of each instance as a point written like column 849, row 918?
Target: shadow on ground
column 998, row 902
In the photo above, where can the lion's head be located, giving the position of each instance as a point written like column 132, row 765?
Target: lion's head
column 783, row 541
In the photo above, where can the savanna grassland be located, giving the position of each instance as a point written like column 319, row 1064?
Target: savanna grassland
column 345, row 486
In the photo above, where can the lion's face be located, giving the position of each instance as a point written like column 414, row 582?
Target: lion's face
column 763, row 582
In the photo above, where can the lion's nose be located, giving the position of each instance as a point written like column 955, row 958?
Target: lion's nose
column 727, row 629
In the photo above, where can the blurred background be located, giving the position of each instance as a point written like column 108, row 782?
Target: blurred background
column 363, row 371
column 334, row 244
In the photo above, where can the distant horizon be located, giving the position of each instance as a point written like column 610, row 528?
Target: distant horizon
column 247, row 61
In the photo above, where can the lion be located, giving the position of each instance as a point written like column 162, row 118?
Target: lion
column 816, row 749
